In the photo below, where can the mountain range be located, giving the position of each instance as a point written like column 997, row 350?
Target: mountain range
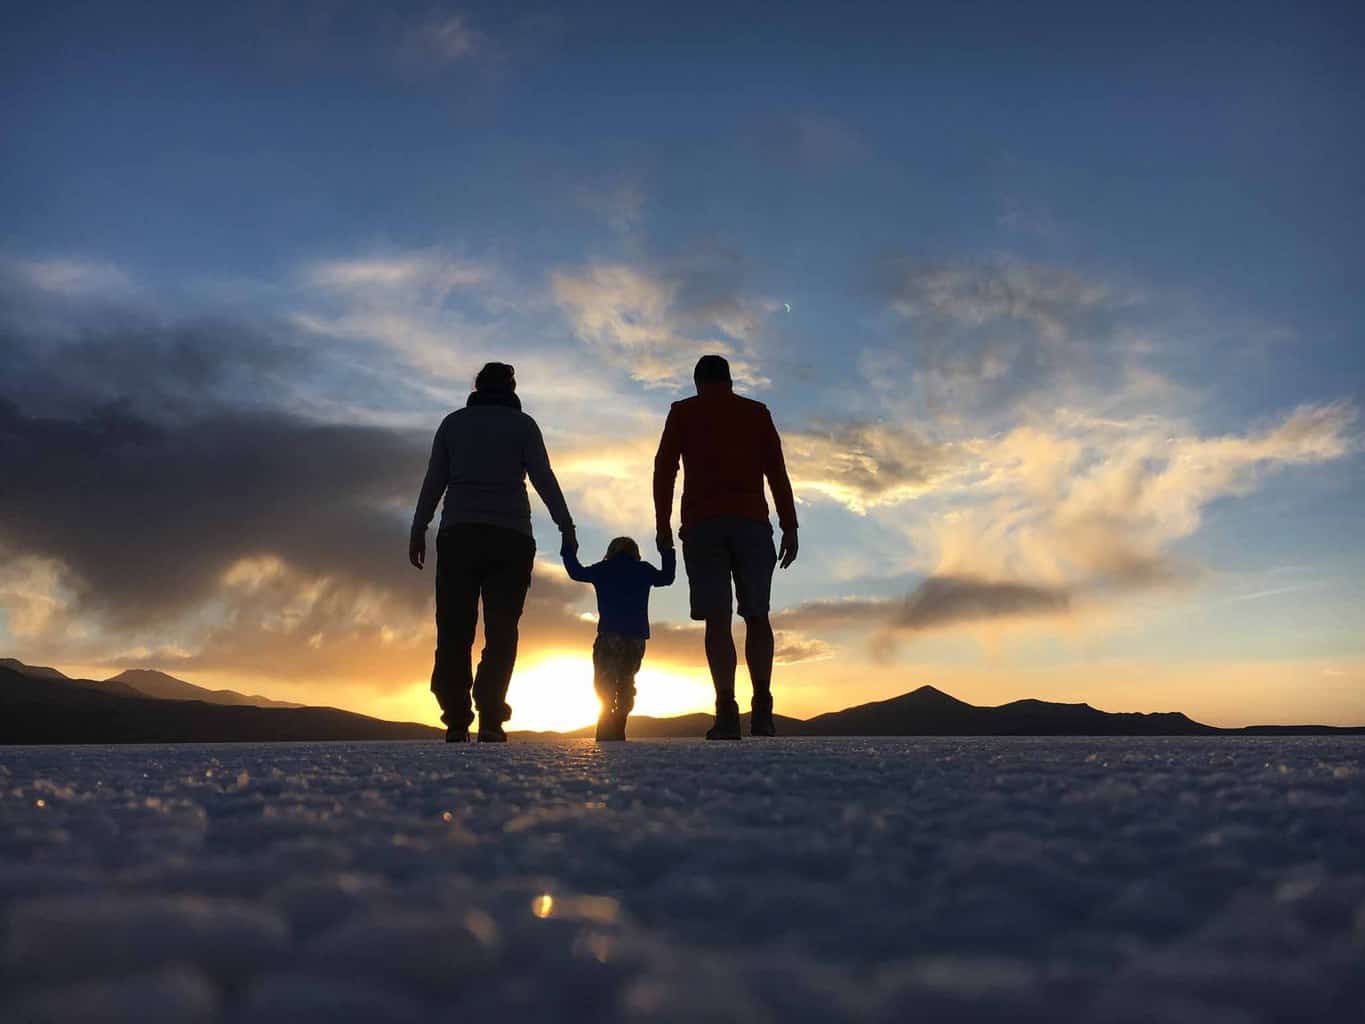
column 43, row 705
column 146, row 682
column 928, row 711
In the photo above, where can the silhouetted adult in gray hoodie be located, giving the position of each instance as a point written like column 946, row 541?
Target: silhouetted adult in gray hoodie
column 480, row 460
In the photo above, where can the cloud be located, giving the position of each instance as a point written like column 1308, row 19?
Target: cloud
column 34, row 593
column 1051, row 523
column 655, row 324
column 1050, row 299
column 861, row 465
column 444, row 39
column 946, row 600
column 937, row 602
column 71, row 277
column 791, row 648
column 424, row 272
column 833, row 615
column 982, row 341
column 146, row 516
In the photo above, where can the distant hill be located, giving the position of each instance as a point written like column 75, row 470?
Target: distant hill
column 151, row 683
column 55, row 709
column 928, row 711
column 43, row 705
column 146, row 682
column 112, row 686
column 37, row 671
column 931, row 712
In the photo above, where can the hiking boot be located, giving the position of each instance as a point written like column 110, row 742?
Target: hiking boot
column 761, row 717
column 727, row 722
column 457, row 735
column 490, row 724
column 611, row 726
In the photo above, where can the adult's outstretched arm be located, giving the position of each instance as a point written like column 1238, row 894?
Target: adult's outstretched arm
column 537, row 461
column 668, row 572
column 665, row 479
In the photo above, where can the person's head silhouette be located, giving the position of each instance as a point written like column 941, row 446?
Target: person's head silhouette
column 712, row 374
column 496, row 377
column 623, row 546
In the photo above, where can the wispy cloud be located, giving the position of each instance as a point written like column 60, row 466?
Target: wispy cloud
column 1047, row 524
column 655, row 324
column 862, row 465
column 426, row 271
column 442, row 39
column 71, row 277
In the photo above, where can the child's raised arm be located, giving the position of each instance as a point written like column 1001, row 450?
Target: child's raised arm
column 576, row 569
column 664, row 577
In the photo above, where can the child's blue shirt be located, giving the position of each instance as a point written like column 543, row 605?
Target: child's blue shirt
column 622, row 584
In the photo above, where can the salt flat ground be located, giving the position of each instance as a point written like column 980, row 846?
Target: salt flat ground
column 1209, row 880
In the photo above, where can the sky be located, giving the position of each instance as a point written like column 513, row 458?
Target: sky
column 1058, row 308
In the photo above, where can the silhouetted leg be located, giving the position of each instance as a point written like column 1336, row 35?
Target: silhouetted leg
column 604, row 682
column 625, row 680
column 457, row 618
column 720, row 658
column 504, row 597
column 758, row 655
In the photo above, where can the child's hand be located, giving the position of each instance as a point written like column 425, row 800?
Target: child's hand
column 568, row 543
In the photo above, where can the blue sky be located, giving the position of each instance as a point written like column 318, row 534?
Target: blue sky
column 1042, row 297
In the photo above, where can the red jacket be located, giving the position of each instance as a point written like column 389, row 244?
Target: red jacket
column 727, row 444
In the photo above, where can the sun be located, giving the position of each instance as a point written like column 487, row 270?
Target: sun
column 555, row 693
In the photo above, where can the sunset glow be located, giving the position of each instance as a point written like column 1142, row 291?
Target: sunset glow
column 556, row 693
column 1064, row 344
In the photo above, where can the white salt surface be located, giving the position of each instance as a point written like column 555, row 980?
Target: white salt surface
column 1203, row 880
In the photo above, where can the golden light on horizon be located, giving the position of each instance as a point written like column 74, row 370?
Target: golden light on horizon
column 555, row 693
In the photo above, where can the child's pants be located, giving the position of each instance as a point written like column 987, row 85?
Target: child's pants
column 615, row 660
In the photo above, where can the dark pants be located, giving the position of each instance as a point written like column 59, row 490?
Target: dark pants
column 476, row 560
column 615, row 660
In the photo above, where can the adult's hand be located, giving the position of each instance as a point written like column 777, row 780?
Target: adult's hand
column 568, row 541
column 417, row 548
column 663, row 540
column 786, row 552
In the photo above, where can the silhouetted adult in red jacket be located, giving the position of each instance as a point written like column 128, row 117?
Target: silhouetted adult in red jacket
column 728, row 445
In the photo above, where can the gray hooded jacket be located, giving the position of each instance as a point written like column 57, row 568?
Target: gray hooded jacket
column 480, row 460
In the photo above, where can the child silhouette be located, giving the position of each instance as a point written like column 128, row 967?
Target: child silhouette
column 622, row 582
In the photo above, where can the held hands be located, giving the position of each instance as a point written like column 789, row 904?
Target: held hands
column 664, row 539
column 568, row 542
column 417, row 548
column 786, row 552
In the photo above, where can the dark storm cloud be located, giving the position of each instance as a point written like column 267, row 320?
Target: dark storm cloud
column 197, row 519
column 161, row 372
column 849, row 613
column 936, row 603
column 948, row 600
column 149, row 516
